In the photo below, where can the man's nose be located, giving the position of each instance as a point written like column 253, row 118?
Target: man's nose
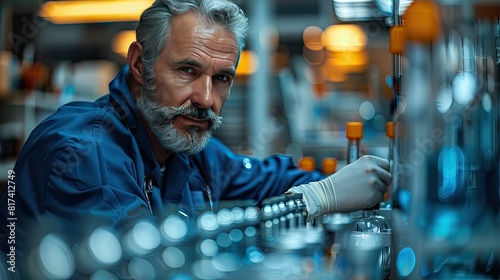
column 203, row 93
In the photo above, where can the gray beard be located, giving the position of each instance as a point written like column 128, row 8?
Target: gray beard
column 190, row 140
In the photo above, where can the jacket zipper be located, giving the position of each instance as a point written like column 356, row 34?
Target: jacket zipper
column 210, row 200
column 148, row 189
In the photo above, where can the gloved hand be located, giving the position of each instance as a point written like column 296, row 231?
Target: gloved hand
column 356, row 186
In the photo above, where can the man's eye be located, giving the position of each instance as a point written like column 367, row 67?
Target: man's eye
column 223, row 78
column 187, row 70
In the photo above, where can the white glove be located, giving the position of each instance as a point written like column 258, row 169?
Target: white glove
column 356, row 186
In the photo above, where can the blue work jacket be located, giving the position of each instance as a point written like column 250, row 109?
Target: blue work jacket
column 91, row 163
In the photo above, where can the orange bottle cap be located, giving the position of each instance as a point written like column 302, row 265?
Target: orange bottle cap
column 329, row 166
column 307, row 164
column 354, row 130
column 389, row 129
column 397, row 40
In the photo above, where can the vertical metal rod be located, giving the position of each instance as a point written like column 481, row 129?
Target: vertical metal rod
column 396, row 18
column 260, row 136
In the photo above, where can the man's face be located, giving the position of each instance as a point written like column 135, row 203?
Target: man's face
column 193, row 75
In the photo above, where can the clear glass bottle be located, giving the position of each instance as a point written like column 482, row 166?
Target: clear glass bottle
column 371, row 221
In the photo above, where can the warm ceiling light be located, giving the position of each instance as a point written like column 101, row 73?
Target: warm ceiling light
column 357, row 10
column 387, row 6
column 344, row 38
column 348, row 62
column 351, row 1
column 122, row 41
column 70, row 12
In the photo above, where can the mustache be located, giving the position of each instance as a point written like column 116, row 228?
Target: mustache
column 194, row 112
column 164, row 115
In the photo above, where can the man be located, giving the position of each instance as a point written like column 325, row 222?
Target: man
column 147, row 144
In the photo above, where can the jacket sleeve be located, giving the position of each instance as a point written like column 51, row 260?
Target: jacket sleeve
column 240, row 177
column 71, row 187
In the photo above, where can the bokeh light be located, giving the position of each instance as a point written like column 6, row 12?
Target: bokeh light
column 142, row 239
column 312, row 38
column 405, row 262
column 104, row 247
column 344, row 38
column 173, row 257
column 55, row 258
column 174, row 229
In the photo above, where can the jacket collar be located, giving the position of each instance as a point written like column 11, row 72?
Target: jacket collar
column 120, row 93
column 127, row 109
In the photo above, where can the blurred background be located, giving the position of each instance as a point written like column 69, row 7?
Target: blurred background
column 423, row 84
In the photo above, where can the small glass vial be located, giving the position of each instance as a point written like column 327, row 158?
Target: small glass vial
column 354, row 134
column 389, row 132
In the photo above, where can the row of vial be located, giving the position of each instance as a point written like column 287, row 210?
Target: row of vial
column 354, row 134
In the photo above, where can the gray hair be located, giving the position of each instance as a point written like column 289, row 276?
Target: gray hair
column 153, row 28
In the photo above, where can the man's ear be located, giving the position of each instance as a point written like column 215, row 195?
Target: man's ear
column 134, row 58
